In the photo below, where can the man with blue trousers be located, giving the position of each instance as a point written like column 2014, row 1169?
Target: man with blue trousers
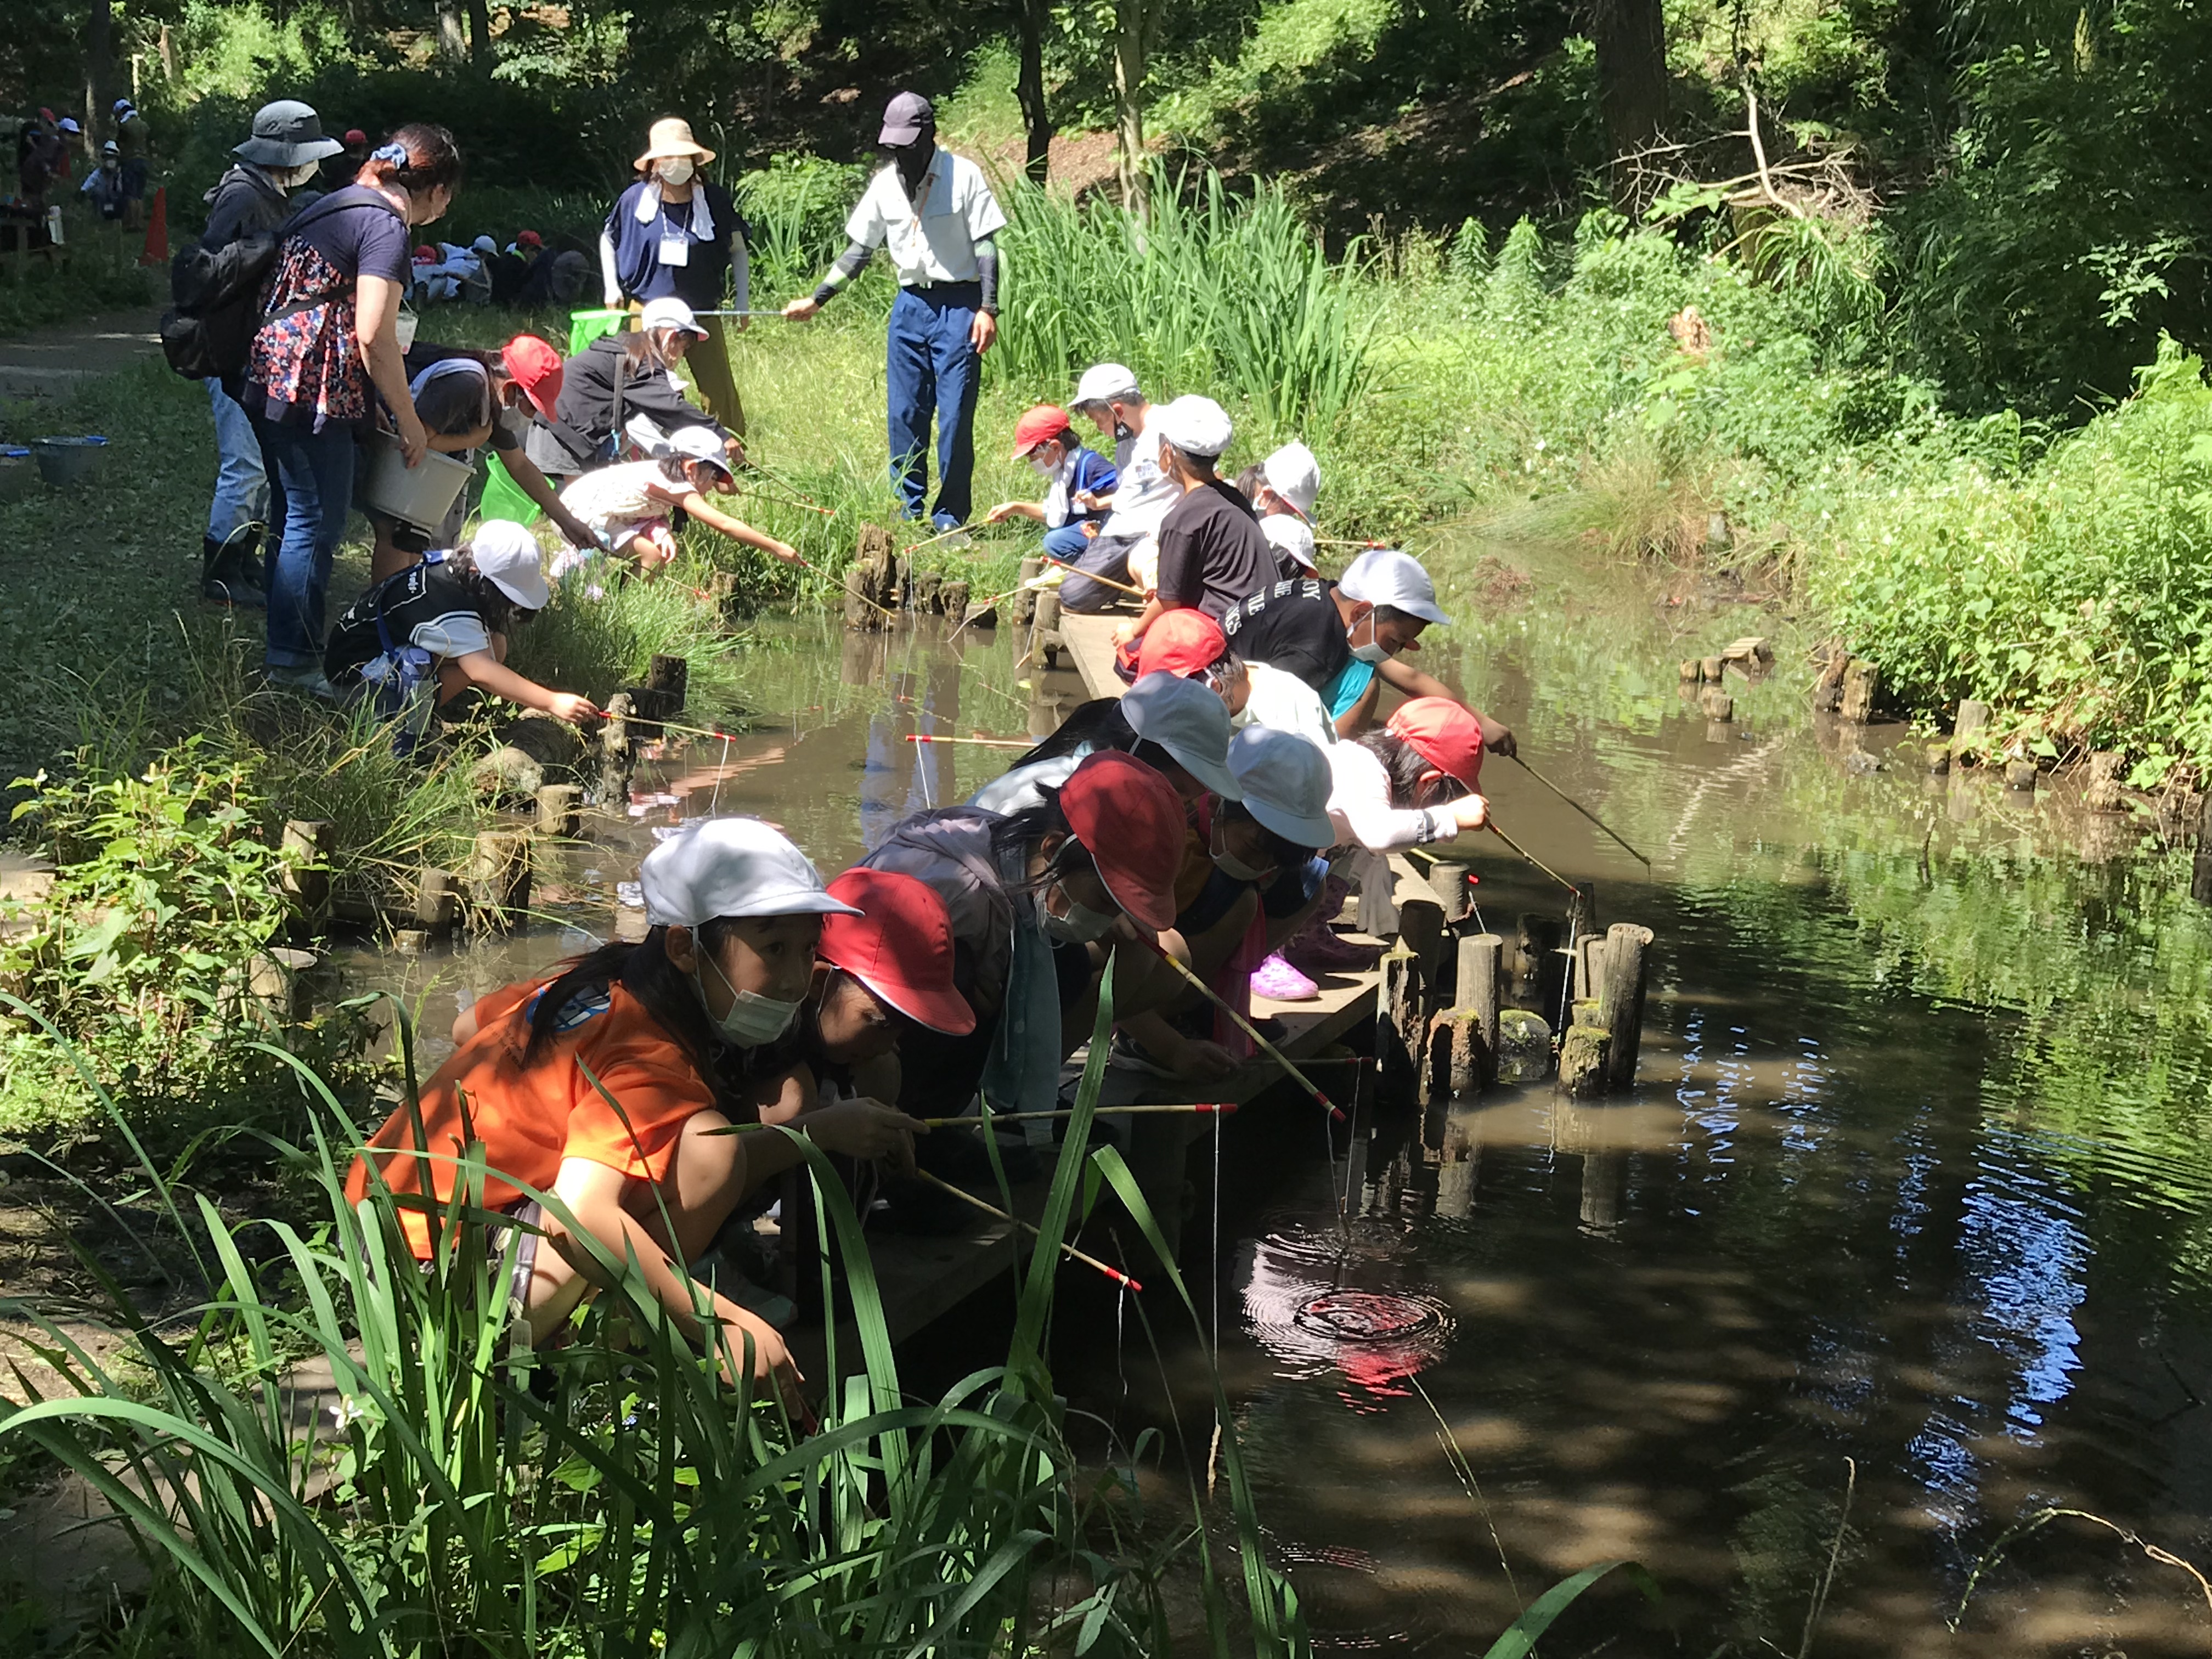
column 935, row 212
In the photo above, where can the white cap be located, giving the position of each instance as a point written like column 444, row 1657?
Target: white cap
column 1188, row 720
column 505, row 556
column 485, row 244
column 730, row 867
column 698, row 443
column 1292, row 537
column 1104, row 382
column 669, row 312
column 1196, row 426
column 1293, row 473
column 1383, row 576
column 1285, row 780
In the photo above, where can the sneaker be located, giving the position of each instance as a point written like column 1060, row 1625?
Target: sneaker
column 1278, row 981
column 1318, row 951
column 310, row 682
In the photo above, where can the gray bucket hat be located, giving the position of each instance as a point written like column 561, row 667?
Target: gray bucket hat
column 287, row 134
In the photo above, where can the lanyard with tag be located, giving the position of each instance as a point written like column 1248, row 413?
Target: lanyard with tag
column 675, row 241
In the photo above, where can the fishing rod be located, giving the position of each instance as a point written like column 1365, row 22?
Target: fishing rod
column 1245, row 1026
column 787, row 500
column 1579, row 806
column 1088, row 576
column 941, row 536
column 1065, row 1248
column 1345, row 541
column 1492, row 825
column 986, row 742
column 1205, row 1109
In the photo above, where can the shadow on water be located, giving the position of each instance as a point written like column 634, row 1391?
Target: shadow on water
column 1915, row 1174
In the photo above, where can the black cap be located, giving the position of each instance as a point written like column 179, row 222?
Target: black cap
column 908, row 118
column 287, row 134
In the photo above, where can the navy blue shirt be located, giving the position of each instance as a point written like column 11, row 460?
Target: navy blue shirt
column 700, row 280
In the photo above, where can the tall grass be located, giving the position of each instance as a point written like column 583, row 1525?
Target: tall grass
column 1209, row 290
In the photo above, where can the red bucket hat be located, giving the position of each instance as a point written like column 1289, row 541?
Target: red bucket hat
column 1130, row 821
column 536, row 367
column 1444, row 733
column 901, row 948
column 1183, row 642
column 1045, row 421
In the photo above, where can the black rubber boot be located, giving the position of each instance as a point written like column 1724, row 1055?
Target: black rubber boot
column 230, row 570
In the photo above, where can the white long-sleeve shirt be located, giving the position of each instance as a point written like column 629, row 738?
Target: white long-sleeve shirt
column 1359, row 805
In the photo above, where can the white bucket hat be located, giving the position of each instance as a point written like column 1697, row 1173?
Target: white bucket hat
column 669, row 312
column 1187, row 719
column 730, row 867
column 1286, row 781
column 505, row 556
column 1293, row 473
column 698, row 443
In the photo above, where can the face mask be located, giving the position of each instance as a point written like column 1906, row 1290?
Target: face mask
column 1079, row 926
column 1121, row 433
column 753, row 1019
column 1042, row 467
column 1373, row 651
column 678, row 172
column 1235, row 868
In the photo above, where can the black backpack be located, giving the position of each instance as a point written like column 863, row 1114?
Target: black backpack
column 216, row 298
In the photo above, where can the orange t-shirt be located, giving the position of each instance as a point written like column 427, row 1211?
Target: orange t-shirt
column 529, row 1118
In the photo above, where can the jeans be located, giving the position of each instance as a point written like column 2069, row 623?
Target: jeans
column 314, row 469
column 1067, row 543
column 929, row 358
column 1104, row 555
column 241, row 486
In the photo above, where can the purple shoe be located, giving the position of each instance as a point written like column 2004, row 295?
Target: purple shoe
column 1278, row 981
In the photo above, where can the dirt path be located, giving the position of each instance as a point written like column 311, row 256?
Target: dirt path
column 55, row 361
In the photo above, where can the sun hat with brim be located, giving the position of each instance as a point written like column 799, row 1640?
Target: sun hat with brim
column 1183, row 641
column 668, row 139
column 534, row 366
column 1383, row 576
column 68, row 125
column 505, row 556
column 1102, row 383
column 1293, row 474
column 1045, row 421
column 698, row 443
column 1194, row 425
column 906, row 118
column 899, row 946
column 669, row 312
column 1130, row 821
column 730, row 867
column 286, row 134
column 1444, row 733
column 1285, row 781
column 1187, row 719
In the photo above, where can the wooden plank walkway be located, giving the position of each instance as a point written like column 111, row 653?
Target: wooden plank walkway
column 921, row 1279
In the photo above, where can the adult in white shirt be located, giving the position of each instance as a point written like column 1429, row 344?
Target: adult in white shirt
column 935, row 213
column 1109, row 394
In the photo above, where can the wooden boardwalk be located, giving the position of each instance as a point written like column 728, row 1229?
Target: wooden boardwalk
column 921, row 1279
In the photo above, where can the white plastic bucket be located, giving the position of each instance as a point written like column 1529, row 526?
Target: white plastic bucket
column 421, row 494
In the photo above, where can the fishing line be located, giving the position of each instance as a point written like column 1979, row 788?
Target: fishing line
column 721, row 767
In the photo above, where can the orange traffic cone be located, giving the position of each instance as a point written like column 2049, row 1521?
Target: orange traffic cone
column 157, row 230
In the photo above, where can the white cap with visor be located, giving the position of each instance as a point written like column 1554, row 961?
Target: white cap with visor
column 730, row 867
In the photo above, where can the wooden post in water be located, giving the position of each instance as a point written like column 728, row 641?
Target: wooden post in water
column 437, row 901
column 2200, row 880
column 557, row 809
column 1711, row 670
column 1718, row 705
column 1583, row 1060
column 1398, row 1045
column 1966, row 729
column 1023, row 606
column 1481, row 956
column 1621, row 999
column 1448, row 881
column 2102, row 795
column 499, row 874
column 615, row 756
column 1861, row 680
column 306, row 880
column 668, row 681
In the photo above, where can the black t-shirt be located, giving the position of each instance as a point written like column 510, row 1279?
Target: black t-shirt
column 1213, row 551
column 431, row 605
column 1294, row 626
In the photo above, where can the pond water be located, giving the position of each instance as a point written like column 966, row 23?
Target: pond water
column 1910, row 1206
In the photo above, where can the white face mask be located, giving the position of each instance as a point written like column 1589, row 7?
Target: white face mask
column 677, row 171
column 1235, row 868
column 753, row 1018
column 1373, row 651
column 1042, row 467
column 1079, row 926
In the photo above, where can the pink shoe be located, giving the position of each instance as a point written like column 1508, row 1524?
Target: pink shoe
column 1278, row 981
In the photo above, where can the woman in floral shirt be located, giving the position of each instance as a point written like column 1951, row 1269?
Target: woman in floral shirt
column 328, row 349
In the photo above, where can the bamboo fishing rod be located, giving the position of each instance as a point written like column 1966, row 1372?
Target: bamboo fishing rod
column 1088, row 575
column 787, row 500
column 986, row 742
column 1065, row 1248
column 1578, row 807
column 1245, row 1026
column 1492, row 825
column 1203, row 1109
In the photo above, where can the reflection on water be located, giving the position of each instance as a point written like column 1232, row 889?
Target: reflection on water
column 1915, row 1176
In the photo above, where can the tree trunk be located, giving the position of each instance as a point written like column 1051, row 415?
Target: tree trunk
column 1132, row 28
column 98, row 75
column 480, row 51
column 1029, row 88
column 1630, row 38
column 452, row 45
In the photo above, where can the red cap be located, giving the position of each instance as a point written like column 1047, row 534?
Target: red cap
column 529, row 239
column 900, row 949
column 356, row 135
column 1445, row 733
column 44, row 114
column 425, row 255
column 536, row 367
column 1184, row 642
column 1045, row 421
column 1130, row 821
